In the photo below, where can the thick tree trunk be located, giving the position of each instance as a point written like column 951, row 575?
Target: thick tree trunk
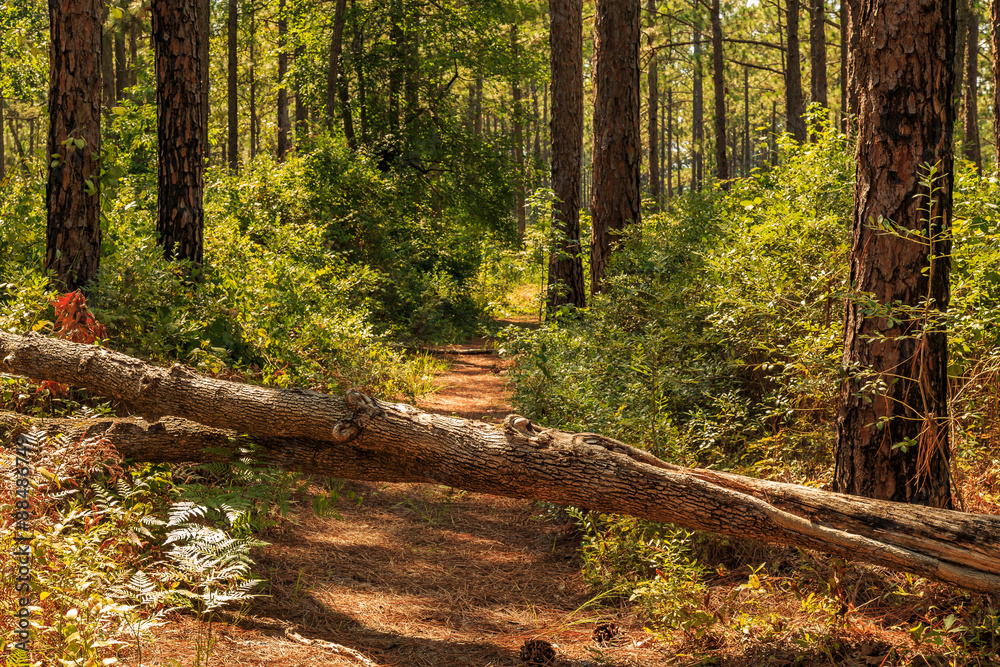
column 357, row 437
column 565, row 282
column 334, row 65
column 970, row 116
column 72, row 194
column 795, row 124
column 617, row 158
column 180, row 216
column 653, row 91
column 893, row 424
column 817, row 51
column 233, row 91
column 719, row 90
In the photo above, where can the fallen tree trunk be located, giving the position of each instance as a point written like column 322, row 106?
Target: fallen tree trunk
column 355, row 436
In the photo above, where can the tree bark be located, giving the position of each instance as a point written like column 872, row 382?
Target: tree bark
column 697, row 117
column 180, row 215
column 892, row 425
column 795, row 124
column 719, row 90
column 121, row 67
column 205, row 31
column 617, row 158
column 233, row 90
column 72, row 193
column 357, row 48
column 653, row 91
column 817, row 51
column 565, row 281
column 3, row 150
column 995, row 40
column 355, row 436
column 284, row 125
column 334, row 66
column 962, row 11
column 107, row 60
column 746, row 121
column 252, row 75
column 844, row 29
column 518, row 123
column 970, row 116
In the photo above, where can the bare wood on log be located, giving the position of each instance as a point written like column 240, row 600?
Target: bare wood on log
column 358, row 437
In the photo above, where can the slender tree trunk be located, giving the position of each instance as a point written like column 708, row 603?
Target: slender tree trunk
column 962, row 12
column 794, row 106
column 892, row 428
column 233, row 90
column 746, row 121
column 477, row 124
column 617, row 148
column 697, row 117
column 669, row 146
column 72, row 193
column 107, row 61
column 970, row 117
column 817, row 51
column 719, row 90
column 205, row 27
column 547, row 143
column 334, row 65
column 121, row 67
column 844, row 29
column 995, row 39
column 3, row 151
column 180, row 216
column 853, row 41
column 652, row 81
column 565, row 282
column 411, row 71
column 536, row 149
column 134, row 25
column 518, row 123
column 252, row 72
column 357, row 49
column 284, row 123
column 397, row 64
column 346, row 113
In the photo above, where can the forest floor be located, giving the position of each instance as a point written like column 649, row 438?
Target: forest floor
column 418, row 575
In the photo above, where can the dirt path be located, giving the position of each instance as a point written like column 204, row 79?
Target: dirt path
column 421, row 575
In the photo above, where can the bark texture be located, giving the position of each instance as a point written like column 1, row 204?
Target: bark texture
column 284, row 124
column 795, row 124
column 817, row 51
column 617, row 153
column 232, row 92
column 653, row 93
column 359, row 437
column 697, row 117
column 892, row 426
column 180, row 216
column 72, row 194
column 565, row 282
column 719, row 89
column 336, row 43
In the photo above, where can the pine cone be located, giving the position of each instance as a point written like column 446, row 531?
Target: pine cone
column 605, row 633
column 538, row 653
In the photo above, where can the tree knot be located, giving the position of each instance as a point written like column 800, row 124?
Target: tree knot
column 365, row 409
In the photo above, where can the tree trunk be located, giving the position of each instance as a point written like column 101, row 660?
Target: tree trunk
column 995, row 39
column 962, row 12
column 107, row 61
column 697, row 117
column 180, row 132
column 853, row 40
column 358, row 437
column 518, row 123
column 357, row 49
column 477, row 124
column 284, row 125
column 134, row 25
column 668, row 162
column 845, row 111
column 205, row 30
column 617, row 152
column 121, row 67
column 72, row 193
column 893, row 422
column 817, row 51
column 746, row 121
column 795, row 124
column 233, row 90
column 536, row 149
column 565, row 282
column 970, row 117
column 3, row 150
column 346, row 113
column 334, row 65
column 252, row 72
column 396, row 64
column 719, row 89
column 652, row 86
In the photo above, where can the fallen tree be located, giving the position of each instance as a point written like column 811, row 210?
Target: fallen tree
column 358, row 437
